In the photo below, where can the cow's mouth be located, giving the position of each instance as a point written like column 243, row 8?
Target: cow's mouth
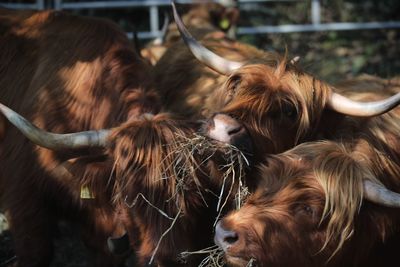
column 228, row 241
column 225, row 129
column 238, row 261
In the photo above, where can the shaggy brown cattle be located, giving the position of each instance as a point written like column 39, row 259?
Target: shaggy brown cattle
column 279, row 104
column 167, row 181
column 321, row 204
column 126, row 173
column 207, row 19
column 66, row 74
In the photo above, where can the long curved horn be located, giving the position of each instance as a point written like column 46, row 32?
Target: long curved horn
column 347, row 106
column 204, row 55
column 52, row 140
column 379, row 194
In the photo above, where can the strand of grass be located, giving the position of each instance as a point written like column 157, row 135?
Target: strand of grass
column 244, row 157
column 163, row 235
column 242, row 194
column 221, row 192
column 214, row 258
column 207, row 250
column 112, row 172
column 238, row 202
column 242, row 190
column 251, row 262
column 8, row 261
column 148, row 202
column 191, row 146
column 227, row 197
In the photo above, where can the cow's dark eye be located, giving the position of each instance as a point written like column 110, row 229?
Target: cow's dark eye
column 289, row 112
column 307, row 209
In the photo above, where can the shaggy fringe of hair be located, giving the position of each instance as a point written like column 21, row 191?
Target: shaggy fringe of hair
column 273, row 75
column 167, row 155
column 341, row 173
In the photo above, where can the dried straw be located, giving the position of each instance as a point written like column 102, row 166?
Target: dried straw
column 181, row 163
column 214, row 258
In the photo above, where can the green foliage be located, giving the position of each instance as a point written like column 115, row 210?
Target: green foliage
column 332, row 55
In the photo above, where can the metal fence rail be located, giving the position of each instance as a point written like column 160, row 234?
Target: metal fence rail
column 38, row 4
column 153, row 7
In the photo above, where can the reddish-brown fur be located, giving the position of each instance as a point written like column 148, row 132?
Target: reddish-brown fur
column 155, row 164
column 65, row 74
column 185, row 84
column 284, row 222
column 277, row 102
column 85, row 76
column 367, row 148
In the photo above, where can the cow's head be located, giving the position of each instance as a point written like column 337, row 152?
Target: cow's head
column 277, row 102
column 308, row 210
column 161, row 170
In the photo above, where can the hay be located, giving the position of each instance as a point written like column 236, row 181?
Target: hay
column 214, row 258
column 183, row 161
column 186, row 165
column 233, row 171
column 3, row 223
column 163, row 235
column 251, row 263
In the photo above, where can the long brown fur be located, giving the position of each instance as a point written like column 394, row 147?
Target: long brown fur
column 184, row 83
column 279, row 104
column 350, row 231
column 169, row 183
column 310, row 206
column 65, row 74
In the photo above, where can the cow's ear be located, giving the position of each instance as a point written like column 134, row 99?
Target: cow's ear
column 89, row 174
column 232, row 85
column 231, row 17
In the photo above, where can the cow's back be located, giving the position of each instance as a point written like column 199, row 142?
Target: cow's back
column 64, row 73
column 185, row 83
column 73, row 63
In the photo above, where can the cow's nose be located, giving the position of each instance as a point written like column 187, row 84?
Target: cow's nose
column 224, row 238
column 224, row 128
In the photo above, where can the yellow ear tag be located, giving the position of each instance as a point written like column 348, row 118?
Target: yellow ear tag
column 86, row 193
column 224, row 24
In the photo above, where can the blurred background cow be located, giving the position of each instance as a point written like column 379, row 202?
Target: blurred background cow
column 204, row 19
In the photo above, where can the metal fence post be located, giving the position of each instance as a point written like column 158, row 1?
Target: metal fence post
column 154, row 21
column 57, row 4
column 40, row 4
column 316, row 12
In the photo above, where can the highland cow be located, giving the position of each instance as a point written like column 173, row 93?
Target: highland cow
column 216, row 20
column 120, row 169
column 278, row 103
column 167, row 181
column 320, row 204
column 66, row 74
